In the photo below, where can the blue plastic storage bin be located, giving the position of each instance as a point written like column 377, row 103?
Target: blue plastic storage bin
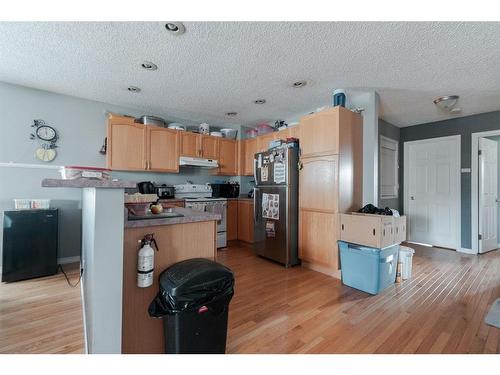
column 366, row 268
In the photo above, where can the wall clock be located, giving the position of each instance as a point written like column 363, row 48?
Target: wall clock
column 47, row 137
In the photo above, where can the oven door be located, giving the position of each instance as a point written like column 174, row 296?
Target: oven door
column 218, row 208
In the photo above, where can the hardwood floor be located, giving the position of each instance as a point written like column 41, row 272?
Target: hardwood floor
column 41, row 315
column 277, row 310
column 440, row 310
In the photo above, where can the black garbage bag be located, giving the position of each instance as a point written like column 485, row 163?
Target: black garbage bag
column 371, row 209
column 191, row 284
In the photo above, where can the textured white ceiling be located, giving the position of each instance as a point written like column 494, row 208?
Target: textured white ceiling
column 222, row 67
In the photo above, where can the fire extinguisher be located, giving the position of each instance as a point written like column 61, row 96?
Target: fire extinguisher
column 146, row 261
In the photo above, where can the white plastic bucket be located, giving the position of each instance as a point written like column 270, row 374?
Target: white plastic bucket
column 406, row 258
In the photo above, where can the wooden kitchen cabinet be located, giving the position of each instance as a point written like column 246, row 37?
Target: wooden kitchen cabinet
column 126, row 145
column 138, row 147
column 232, row 220
column 209, row 147
column 245, row 220
column 264, row 140
column 331, row 180
column 318, row 236
column 248, row 148
column 163, row 147
column 228, row 157
column 190, row 144
column 327, row 132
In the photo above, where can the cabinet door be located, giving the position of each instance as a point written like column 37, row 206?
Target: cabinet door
column 163, row 150
column 249, row 150
column 127, row 147
column 232, row 220
column 190, row 144
column 228, row 161
column 263, row 141
column 245, row 221
column 319, row 133
column 209, row 146
column 318, row 181
column 318, row 236
column 293, row 131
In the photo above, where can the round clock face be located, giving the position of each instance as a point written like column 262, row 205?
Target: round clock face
column 46, row 133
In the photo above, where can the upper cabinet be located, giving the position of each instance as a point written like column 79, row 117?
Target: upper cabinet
column 137, row 147
column 248, row 148
column 209, row 147
column 228, row 160
column 190, row 144
column 199, row 146
column 324, row 133
column 127, row 143
column 163, row 150
column 264, row 140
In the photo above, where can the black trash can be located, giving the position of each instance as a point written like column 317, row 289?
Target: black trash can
column 194, row 301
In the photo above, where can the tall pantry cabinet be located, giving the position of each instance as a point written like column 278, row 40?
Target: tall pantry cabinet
column 331, row 179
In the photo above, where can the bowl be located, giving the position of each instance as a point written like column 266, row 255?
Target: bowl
column 229, row 133
column 216, row 134
column 176, row 126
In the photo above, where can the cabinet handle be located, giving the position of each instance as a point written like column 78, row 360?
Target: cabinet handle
column 342, row 226
column 145, row 164
column 374, row 231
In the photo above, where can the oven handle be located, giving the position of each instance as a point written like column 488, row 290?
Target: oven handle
column 255, row 170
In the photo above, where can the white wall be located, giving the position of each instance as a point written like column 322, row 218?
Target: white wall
column 81, row 126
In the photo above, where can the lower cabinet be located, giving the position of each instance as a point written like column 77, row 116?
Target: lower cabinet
column 232, row 220
column 245, row 221
column 318, row 236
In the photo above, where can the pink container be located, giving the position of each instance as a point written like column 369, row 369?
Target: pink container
column 251, row 133
column 264, row 128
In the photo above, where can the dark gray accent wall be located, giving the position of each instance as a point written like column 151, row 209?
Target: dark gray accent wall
column 463, row 126
column 390, row 131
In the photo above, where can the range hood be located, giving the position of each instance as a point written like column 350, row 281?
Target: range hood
column 185, row 161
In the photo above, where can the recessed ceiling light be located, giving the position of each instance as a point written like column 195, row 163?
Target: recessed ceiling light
column 299, row 84
column 446, row 102
column 134, row 89
column 259, row 101
column 176, row 28
column 148, row 65
column 231, row 114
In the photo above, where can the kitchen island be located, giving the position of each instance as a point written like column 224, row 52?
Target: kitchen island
column 114, row 308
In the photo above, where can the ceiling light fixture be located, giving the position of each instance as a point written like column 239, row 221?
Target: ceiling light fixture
column 176, row 28
column 134, row 89
column 259, row 101
column 299, row 84
column 148, row 65
column 231, row 114
column 446, row 103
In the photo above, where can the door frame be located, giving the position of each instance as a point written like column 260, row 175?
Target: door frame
column 458, row 221
column 474, row 177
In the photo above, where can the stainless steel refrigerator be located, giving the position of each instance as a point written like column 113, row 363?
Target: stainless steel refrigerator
column 276, row 204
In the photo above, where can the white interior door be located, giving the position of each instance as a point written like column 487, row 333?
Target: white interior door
column 432, row 191
column 488, row 190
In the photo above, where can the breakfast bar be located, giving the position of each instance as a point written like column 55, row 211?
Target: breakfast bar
column 114, row 308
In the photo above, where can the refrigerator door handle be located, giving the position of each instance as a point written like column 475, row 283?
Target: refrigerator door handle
column 255, row 171
column 255, row 190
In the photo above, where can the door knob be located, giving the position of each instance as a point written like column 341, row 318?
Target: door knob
column 412, row 198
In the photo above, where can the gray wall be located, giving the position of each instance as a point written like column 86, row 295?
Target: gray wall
column 390, row 131
column 464, row 126
column 81, row 125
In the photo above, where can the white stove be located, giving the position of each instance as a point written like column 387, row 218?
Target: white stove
column 199, row 197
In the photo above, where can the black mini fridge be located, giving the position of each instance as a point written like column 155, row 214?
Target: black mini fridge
column 29, row 244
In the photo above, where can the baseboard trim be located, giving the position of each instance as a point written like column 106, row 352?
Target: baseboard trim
column 67, row 260
column 466, row 251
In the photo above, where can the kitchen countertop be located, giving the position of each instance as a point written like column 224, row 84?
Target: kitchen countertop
column 190, row 216
column 88, row 183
